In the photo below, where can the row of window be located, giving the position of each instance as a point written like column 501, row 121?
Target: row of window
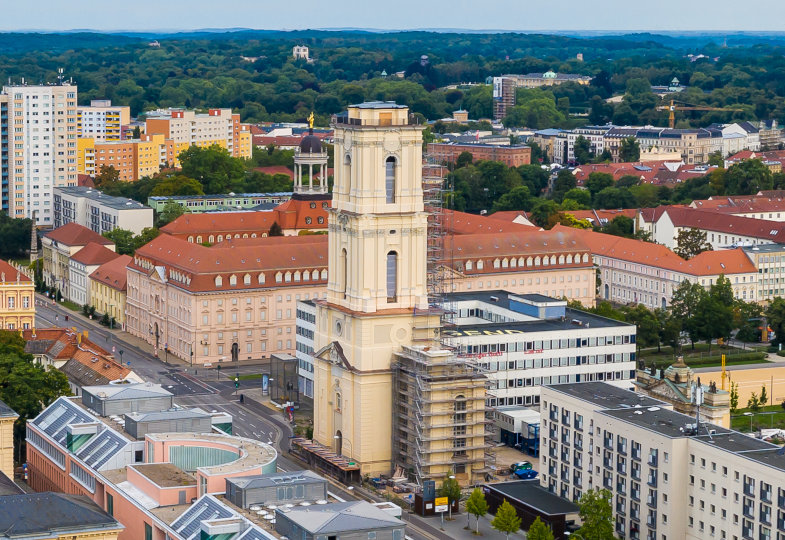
column 520, row 262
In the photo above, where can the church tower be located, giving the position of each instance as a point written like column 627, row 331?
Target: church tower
column 377, row 280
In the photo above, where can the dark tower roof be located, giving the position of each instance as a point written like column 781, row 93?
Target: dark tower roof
column 311, row 144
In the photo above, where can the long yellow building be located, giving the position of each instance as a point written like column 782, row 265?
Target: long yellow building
column 17, row 304
column 132, row 158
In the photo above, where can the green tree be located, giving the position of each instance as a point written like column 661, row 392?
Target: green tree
column 171, row 211
column 764, row 396
column 506, row 520
column 275, row 229
column 123, row 240
column 581, row 197
column 464, row 159
column 518, row 198
column 753, row 403
column 620, row 226
column 684, row 306
column 596, row 515
column 630, row 150
column 582, row 150
column 477, row 506
column 137, row 133
column 775, row 316
column 25, row 386
column 716, row 159
column 539, row 531
column 691, row 242
column 613, row 197
column 713, row 319
column 597, row 181
column 565, row 181
column 452, row 490
column 748, row 177
column 15, row 235
column 106, row 175
column 215, row 169
column 144, row 237
column 648, row 326
column 537, row 113
column 670, row 329
column 545, row 213
column 734, row 396
column 176, row 184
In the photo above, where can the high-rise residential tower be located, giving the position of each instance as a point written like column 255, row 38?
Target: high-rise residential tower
column 42, row 133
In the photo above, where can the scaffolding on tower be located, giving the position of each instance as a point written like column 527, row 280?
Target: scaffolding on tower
column 437, row 193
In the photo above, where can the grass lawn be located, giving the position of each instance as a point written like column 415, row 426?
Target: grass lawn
column 772, row 416
column 730, row 362
column 250, row 376
column 71, row 305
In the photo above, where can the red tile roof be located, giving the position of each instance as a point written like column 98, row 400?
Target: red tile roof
column 727, row 224
column 220, row 223
column 302, row 214
column 73, row 234
column 59, row 343
column 463, row 223
column 656, row 255
column 509, row 215
column 528, row 242
column 113, row 273
column 741, row 205
column 11, row 273
column 93, row 254
column 194, row 267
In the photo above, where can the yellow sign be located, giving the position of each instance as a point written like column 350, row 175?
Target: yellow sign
column 441, row 501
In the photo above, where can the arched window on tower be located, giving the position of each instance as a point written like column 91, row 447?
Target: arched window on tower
column 389, row 179
column 344, row 273
column 392, row 276
column 347, row 172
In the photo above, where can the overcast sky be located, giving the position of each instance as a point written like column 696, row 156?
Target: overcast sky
column 564, row 15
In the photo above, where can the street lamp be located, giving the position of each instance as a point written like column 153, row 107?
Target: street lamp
column 111, row 316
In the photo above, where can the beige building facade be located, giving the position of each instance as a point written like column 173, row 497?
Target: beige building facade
column 17, row 302
column 7, row 419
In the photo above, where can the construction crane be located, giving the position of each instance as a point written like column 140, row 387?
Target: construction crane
column 672, row 108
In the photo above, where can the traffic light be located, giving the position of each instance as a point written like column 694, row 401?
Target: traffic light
column 236, row 382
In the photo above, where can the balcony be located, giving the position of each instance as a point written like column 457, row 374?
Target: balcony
column 651, row 501
column 652, row 461
column 652, row 481
column 621, row 448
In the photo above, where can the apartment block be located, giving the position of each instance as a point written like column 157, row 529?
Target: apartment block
column 512, row 156
column 669, row 477
column 5, row 158
column 131, row 158
column 102, row 121
column 186, row 128
column 43, row 124
column 98, row 212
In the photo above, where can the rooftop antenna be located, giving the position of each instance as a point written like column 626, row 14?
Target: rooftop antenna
column 60, row 75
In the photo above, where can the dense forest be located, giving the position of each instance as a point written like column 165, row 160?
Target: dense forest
column 254, row 73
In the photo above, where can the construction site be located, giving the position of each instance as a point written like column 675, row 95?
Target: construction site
column 440, row 426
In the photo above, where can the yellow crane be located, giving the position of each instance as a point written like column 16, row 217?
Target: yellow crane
column 672, row 108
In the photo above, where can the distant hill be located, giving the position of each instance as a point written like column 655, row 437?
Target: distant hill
column 16, row 42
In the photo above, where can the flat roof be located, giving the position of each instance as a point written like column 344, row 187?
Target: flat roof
column 120, row 203
column 531, row 494
column 378, row 105
column 665, row 422
column 606, row 396
column 502, row 300
column 764, row 248
column 773, row 457
column 165, row 474
column 219, row 196
column 733, row 441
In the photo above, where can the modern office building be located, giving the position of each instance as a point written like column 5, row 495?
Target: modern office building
column 524, row 342
column 305, row 329
column 101, row 120
column 668, row 476
column 98, row 212
column 42, row 122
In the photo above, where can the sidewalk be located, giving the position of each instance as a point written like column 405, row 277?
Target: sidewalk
column 455, row 528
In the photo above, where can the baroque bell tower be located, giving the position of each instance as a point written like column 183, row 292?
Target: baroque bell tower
column 377, row 279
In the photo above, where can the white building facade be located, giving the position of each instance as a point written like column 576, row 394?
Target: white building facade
column 42, row 126
column 305, row 328
column 668, row 477
column 98, row 212
column 523, row 342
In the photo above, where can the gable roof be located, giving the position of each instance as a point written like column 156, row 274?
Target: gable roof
column 73, row 234
column 49, row 513
column 727, row 224
column 340, row 517
column 462, row 223
column 94, row 254
column 708, row 263
column 220, row 223
column 11, row 273
column 88, row 369
column 58, row 343
column 113, row 273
